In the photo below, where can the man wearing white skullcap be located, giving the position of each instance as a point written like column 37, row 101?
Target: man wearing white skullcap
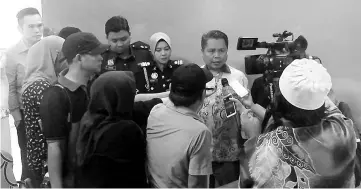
column 309, row 143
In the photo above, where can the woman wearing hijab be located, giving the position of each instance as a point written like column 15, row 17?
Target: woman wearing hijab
column 159, row 74
column 111, row 149
column 40, row 72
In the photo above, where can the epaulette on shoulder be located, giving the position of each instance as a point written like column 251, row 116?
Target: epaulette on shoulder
column 178, row 62
column 139, row 45
column 144, row 64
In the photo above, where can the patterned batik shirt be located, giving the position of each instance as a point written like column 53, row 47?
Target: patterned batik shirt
column 226, row 142
column 319, row 156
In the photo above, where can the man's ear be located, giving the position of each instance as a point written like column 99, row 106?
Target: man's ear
column 78, row 57
column 20, row 29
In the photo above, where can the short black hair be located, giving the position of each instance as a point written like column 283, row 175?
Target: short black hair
column 26, row 12
column 299, row 117
column 213, row 34
column 116, row 24
column 65, row 32
column 183, row 100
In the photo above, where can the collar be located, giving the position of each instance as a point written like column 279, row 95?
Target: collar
column 130, row 56
column 183, row 110
column 21, row 46
column 225, row 68
column 72, row 86
column 166, row 66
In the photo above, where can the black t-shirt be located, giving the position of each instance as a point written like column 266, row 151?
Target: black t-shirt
column 55, row 111
column 61, row 110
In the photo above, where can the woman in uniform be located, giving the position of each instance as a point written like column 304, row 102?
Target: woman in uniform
column 158, row 74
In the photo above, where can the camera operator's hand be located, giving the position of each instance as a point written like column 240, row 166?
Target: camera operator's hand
column 251, row 125
column 239, row 106
column 247, row 100
column 247, row 103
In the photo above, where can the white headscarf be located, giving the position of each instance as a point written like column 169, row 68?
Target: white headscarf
column 154, row 39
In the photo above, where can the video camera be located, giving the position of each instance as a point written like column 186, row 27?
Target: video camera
column 279, row 55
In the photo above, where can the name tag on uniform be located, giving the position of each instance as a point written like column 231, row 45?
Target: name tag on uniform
column 110, row 65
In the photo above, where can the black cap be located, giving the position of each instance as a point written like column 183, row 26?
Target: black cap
column 189, row 79
column 82, row 43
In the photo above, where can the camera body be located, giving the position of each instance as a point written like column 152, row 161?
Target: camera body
column 279, row 55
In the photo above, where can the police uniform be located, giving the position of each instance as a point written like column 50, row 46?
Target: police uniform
column 138, row 59
column 157, row 80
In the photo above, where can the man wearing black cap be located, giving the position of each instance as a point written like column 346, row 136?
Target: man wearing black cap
column 64, row 104
column 179, row 144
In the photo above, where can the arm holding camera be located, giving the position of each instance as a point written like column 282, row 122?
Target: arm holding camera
column 252, row 115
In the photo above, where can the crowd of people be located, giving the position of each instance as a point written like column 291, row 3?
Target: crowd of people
column 124, row 114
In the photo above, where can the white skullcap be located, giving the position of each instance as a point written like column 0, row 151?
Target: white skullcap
column 305, row 84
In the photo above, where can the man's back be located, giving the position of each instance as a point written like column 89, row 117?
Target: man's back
column 318, row 156
column 178, row 146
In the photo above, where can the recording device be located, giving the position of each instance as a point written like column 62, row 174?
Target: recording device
column 229, row 106
column 279, row 55
column 271, row 64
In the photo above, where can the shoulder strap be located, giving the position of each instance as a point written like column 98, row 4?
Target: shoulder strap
column 144, row 65
column 70, row 115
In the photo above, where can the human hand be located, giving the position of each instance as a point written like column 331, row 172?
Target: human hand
column 17, row 117
column 247, row 100
column 251, row 125
column 17, row 123
column 239, row 106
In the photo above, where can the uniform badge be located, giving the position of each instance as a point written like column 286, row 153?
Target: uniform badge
column 178, row 62
column 110, row 65
column 154, row 76
column 144, row 64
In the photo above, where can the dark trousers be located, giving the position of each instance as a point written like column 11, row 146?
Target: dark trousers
column 224, row 173
column 22, row 144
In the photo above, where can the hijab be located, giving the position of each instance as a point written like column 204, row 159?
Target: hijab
column 155, row 38
column 111, row 100
column 41, row 61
